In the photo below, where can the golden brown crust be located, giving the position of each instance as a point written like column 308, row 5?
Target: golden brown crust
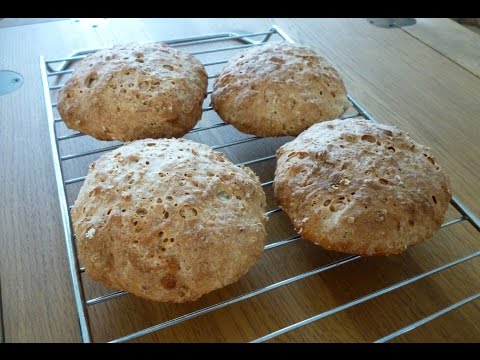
column 278, row 89
column 359, row 187
column 168, row 220
column 134, row 91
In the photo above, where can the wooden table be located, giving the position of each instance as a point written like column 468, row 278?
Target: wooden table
column 424, row 78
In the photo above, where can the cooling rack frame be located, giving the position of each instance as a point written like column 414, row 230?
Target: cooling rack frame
column 244, row 40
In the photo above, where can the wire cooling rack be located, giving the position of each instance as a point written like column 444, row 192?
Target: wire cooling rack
column 72, row 151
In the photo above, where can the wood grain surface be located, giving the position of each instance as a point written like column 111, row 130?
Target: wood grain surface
column 10, row 22
column 456, row 42
column 398, row 78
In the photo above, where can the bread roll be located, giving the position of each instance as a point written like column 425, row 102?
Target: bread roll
column 278, row 89
column 168, row 220
column 361, row 188
column 134, row 91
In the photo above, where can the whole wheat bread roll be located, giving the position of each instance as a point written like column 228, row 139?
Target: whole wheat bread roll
column 361, row 188
column 278, row 89
column 168, row 220
column 134, row 91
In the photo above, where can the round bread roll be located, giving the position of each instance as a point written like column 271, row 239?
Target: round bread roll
column 278, row 89
column 362, row 188
column 168, row 220
column 134, row 91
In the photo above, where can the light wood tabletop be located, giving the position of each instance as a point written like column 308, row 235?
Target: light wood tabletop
column 424, row 78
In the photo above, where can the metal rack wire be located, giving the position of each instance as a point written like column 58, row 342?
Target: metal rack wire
column 52, row 81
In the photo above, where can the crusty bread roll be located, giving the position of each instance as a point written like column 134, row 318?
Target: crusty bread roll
column 168, row 220
column 278, row 89
column 361, row 188
column 134, row 91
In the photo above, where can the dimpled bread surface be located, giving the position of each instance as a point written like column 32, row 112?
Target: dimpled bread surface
column 278, row 89
column 362, row 188
column 168, row 220
column 134, row 91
